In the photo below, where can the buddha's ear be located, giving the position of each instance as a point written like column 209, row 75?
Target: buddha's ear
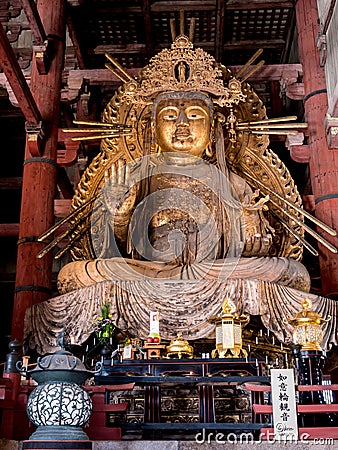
column 209, row 150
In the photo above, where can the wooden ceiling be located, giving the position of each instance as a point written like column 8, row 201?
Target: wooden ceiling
column 133, row 30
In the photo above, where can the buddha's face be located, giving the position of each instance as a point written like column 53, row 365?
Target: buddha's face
column 183, row 125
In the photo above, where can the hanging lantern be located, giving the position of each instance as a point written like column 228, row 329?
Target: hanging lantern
column 307, row 325
column 229, row 332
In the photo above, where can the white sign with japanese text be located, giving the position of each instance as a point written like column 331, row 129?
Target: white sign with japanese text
column 284, row 404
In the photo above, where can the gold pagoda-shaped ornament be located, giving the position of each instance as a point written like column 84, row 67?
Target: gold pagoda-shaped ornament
column 307, row 325
column 229, row 332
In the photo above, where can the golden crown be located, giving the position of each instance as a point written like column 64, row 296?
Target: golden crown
column 183, row 68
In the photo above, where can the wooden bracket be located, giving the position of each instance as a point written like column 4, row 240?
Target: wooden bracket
column 43, row 56
column 67, row 156
column 299, row 152
column 35, row 137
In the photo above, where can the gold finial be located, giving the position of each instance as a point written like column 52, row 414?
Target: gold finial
column 228, row 306
column 306, row 304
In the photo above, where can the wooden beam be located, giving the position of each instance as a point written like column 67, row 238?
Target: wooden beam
column 219, row 37
column 11, row 183
column 123, row 48
column 254, row 44
column 9, row 229
column 259, row 4
column 168, row 6
column 17, row 81
column 189, row 5
column 105, row 77
column 34, row 20
column 74, row 39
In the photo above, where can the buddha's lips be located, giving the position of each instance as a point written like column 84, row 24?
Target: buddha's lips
column 182, row 134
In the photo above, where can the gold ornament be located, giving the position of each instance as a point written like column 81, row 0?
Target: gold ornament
column 308, row 331
column 229, row 332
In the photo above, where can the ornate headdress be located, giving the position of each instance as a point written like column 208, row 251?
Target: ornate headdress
column 183, row 69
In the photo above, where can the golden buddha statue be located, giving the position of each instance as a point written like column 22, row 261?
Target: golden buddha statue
column 183, row 206
column 173, row 215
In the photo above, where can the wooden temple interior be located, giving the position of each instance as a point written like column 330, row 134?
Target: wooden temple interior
column 52, row 72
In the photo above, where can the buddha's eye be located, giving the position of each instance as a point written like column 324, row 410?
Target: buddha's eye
column 169, row 113
column 195, row 113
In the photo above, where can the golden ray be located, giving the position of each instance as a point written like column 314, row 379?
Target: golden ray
column 51, row 230
column 248, row 64
column 114, row 72
column 306, row 227
column 192, row 29
column 291, row 230
column 101, row 124
column 268, row 126
column 94, row 130
column 314, row 219
column 280, row 132
column 253, row 70
column 172, row 29
column 181, row 21
column 276, row 119
column 118, row 66
column 99, row 136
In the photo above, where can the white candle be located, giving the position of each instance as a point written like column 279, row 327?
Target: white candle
column 249, row 348
column 281, row 346
column 261, row 332
column 273, row 340
column 246, row 359
column 256, row 340
column 256, row 362
column 268, row 332
column 266, row 360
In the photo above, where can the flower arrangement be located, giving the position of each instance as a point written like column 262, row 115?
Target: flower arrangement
column 104, row 326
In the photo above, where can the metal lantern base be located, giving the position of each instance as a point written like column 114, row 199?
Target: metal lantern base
column 58, row 433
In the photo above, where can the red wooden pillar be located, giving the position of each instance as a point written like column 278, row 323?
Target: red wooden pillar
column 34, row 276
column 323, row 161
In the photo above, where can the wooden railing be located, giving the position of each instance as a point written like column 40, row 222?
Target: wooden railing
column 263, row 412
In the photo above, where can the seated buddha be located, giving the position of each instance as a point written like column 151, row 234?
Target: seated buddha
column 180, row 213
column 182, row 207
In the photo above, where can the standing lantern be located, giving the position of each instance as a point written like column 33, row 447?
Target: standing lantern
column 59, row 406
column 308, row 333
column 229, row 332
column 309, row 358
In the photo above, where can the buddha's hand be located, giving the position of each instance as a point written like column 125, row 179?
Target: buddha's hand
column 258, row 232
column 119, row 192
column 257, row 244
